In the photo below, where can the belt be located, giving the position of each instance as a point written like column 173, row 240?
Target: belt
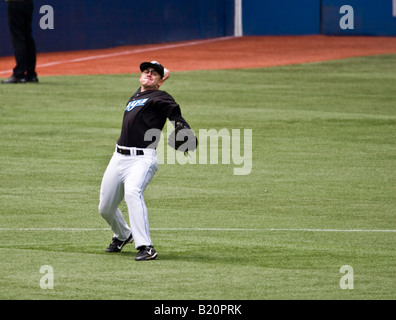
column 130, row 152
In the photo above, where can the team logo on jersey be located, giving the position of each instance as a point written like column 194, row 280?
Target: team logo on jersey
column 136, row 103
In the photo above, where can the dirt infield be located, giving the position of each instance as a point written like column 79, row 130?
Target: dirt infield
column 220, row 53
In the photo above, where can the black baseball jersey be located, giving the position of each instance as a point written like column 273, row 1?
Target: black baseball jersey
column 144, row 111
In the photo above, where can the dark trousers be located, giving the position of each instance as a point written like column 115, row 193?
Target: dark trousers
column 20, row 24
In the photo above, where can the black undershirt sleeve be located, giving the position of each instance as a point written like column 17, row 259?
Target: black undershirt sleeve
column 177, row 117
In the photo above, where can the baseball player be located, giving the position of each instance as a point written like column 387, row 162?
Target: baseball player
column 134, row 161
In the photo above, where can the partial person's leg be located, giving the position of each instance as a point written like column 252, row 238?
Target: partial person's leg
column 16, row 22
column 30, row 46
column 138, row 177
column 111, row 194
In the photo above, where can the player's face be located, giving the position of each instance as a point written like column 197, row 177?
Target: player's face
column 150, row 79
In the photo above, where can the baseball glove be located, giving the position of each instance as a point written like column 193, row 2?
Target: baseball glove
column 182, row 139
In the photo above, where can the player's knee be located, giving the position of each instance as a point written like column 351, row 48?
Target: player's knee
column 104, row 210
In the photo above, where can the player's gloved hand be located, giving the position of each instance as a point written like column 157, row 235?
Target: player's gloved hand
column 182, row 139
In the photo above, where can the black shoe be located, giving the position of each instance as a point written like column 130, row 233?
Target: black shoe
column 146, row 253
column 32, row 80
column 14, row 79
column 117, row 245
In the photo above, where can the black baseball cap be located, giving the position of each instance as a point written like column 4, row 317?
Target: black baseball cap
column 155, row 65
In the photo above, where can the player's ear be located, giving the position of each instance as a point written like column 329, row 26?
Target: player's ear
column 166, row 76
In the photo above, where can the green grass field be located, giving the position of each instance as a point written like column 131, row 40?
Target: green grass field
column 324, row 163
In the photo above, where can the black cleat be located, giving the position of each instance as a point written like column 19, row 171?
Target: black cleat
column 32, row 79
column 117, row 245
column 146, row 253
column 13, row 79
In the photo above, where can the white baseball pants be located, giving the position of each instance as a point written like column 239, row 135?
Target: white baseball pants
column 127, row 176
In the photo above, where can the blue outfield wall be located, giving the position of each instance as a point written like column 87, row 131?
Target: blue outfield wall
column 292, row 17
column 281, row 17
column 370, row 17
column 92, row 24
